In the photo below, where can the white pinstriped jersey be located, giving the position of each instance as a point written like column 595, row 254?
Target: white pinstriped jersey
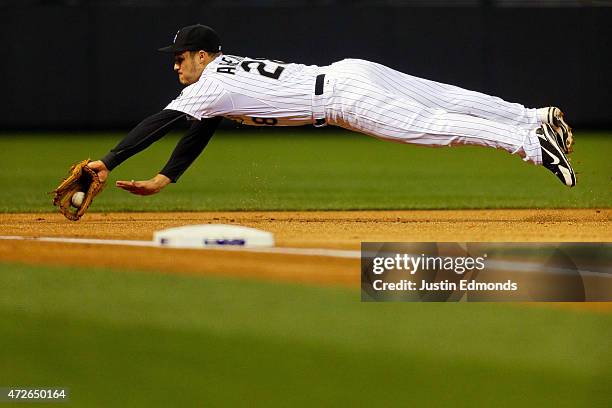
column 363, row 96
column 251, row 91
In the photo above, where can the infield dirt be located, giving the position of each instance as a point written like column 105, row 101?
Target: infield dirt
column 332, row 229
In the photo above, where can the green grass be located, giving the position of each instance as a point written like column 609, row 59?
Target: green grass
column 297, row 170
column 154, row 340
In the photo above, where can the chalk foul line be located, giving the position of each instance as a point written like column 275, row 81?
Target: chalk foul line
column 333, row 253
column 516, row 266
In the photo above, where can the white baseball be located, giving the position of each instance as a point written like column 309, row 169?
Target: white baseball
column 77, row 199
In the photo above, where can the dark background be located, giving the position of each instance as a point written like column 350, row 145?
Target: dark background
column 92, row 65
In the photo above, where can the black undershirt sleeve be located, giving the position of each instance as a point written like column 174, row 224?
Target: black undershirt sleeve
column 189, row 147
column 154, row 128
column 142, row 136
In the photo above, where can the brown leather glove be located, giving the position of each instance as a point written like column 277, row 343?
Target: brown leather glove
column 80, row 178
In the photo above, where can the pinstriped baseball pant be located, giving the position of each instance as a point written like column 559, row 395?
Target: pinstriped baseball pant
column 376, row 100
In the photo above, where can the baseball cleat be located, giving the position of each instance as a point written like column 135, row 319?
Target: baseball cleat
column 565, row 137
column 553, row 156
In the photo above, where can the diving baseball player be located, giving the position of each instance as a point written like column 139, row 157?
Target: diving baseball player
column 354, row 94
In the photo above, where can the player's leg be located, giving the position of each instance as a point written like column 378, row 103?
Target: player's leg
column 443, row 96
column 452, row 98
column 459, row 100
column 404, row 121
column 362, row 105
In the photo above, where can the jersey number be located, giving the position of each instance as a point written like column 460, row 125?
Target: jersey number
column 261, row 68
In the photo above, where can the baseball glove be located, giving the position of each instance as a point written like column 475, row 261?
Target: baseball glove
column 80, row 178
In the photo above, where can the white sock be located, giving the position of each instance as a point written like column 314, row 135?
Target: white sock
column 542, row 114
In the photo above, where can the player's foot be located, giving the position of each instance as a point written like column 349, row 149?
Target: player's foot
column 554, row 117
column 553, row 157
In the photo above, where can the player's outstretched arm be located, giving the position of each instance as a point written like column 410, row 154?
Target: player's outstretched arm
column 142, row 136
column 188, row 148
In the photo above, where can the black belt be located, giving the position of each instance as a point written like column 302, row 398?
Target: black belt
column 319, row 91
column 319, row 84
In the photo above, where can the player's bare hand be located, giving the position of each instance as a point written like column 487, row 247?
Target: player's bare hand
column 100, row 168
column 145, row 187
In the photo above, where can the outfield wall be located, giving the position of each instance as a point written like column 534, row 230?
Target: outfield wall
column 97, row 67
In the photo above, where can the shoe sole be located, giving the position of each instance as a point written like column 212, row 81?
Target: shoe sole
column 566, row 169
column 555, row 118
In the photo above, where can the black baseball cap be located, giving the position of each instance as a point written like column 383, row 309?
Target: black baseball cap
column 194, row 38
